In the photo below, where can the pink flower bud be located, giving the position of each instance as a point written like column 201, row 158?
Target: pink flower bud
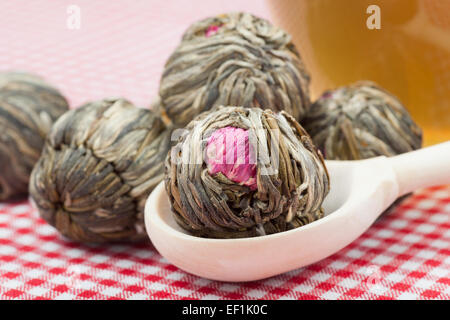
column 228, row 151
column 212, row 30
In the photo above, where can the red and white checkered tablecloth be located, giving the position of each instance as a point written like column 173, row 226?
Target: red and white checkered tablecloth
column 405, row 255
column 120, row 50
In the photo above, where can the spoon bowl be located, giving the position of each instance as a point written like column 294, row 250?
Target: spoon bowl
column 360, row 191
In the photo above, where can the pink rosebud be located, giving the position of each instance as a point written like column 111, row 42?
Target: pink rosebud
column 211, row 30
column 228, row 151
column 327, row 95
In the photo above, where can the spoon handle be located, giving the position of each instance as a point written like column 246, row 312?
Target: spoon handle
column 422, row 168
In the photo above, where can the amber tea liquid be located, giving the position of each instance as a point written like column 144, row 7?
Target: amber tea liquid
column 409, row 55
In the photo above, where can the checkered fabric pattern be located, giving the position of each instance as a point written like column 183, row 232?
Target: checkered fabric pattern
column 120, row 50
column 404, row 255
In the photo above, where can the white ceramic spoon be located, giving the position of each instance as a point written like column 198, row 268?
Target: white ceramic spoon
column 360, row 192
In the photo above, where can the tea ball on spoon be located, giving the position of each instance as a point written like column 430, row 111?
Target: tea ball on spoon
column 242, row 172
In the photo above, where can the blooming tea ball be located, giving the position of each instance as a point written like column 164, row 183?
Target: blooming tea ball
column 361, row 121
column 233, row 59
column 28, row 108
column 243, row 172
column 228, row 152
column 99, row 164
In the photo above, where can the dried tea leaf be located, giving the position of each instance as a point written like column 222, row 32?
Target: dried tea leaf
column 361, row 121
column 99, row 164
column 233, row 59
column 28, row 108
